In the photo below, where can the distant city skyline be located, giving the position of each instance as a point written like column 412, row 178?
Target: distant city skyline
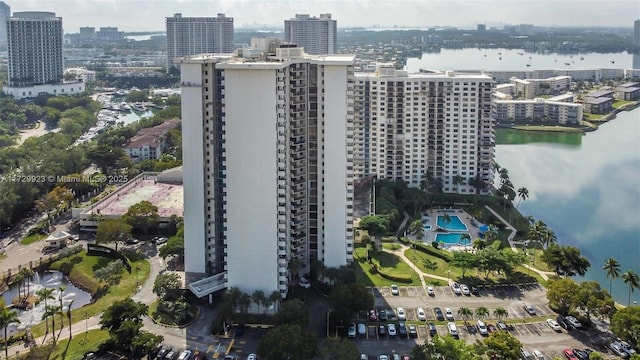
column 149, row 15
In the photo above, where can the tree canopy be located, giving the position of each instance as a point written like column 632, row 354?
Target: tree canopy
column 565, row 260
column 123, row 321
column 142, row 216
column 112, row 230
column 288, row 342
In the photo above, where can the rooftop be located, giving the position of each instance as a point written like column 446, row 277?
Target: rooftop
column 599, row 100
column 600, row 93
column 151, row 136
column 167, row 197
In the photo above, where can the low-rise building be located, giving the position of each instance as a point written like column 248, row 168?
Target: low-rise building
column 600, row 101
column 530, row 88
column 150, row 143
column 554, row 111
column 629, row 91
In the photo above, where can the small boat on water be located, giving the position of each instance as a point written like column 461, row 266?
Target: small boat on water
column 567, row 63
column 581, row 57
column 613, row 62
column 500, row 58
column 528, row 65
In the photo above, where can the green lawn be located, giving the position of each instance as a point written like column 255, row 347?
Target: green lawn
column 548, row 128
column 618, row 104
column 390, row 263
column 32, row 239
column 80, row 344
column 82, row 275
column 431, row 264
column 593, row 117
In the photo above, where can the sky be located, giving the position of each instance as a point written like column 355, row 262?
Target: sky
column 149, row 15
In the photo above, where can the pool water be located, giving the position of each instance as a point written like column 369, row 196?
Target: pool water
column 426, row 227
column 454, row 225
column 452, row 239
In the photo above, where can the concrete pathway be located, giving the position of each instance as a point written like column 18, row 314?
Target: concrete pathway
column 400, row 254
column 508, row 226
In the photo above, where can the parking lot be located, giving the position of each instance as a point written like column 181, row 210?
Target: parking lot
column 531, row 330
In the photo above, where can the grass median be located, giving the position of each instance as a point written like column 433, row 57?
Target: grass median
column 79, row 345
column 390, row 263
column 81, row 275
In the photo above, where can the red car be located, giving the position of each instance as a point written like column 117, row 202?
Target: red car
column 373, row 316
column 405, row 357
column 568, row 353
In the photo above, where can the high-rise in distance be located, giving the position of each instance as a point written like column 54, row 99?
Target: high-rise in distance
column 317, row 35
column 5, row 14
column 198, row 35
column 35, row 60
column 268, row 165
column 636, row 32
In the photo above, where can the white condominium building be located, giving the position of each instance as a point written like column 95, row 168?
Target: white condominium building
column 318, row 36
column 198, row 35
column 268, row 165
column 415, row 126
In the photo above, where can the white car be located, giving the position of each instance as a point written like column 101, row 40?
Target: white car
column 391, row 329
column 394, row 290
column 573, row 322
column 448, row 314
column 383, row 357
column 554, row 325
column 482, row 328
column 538, row 355
column 185, row 355
column 421, row 315
column 453, row 329
column 430, row 291
column 252, row 357
column 456, row 288
column 465, row 290
column 402, row 316
column 304, row 283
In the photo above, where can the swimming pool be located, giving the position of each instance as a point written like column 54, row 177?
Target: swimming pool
column 426, row 227
column 454, row 225
column 452, row 239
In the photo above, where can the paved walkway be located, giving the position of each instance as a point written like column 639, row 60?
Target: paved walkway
column 400, row 253
column 508, row 226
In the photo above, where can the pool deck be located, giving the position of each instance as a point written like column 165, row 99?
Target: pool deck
column 430, row 217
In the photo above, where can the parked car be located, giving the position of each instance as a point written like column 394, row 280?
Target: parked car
column 413, row 330
column 382, row 314
column 439, row 314
column 482, row 328
column 199, row 355
column 491, row 328
column 383, row 357
column 569, row 355
column 433, row 331
column 401, row 314
column 573, row 322
column 402, row 329
column 160, row 240
column 373, row 315
column 391, row 329
column 580, row 354
column 304, row 282
column 465, row 290
column 163, row 351
column 252, row 357
column 502, row 326
column 456, row 288
column 364, row 357
column 453, row 329
column 421, row 315
column 627, row 347
column 475, row 291
column 362, row 329
column 563, row 322
column 394, row 290
column 619, row 349
column 351, row 331
column 526, row 355
column 529, row 309
column 406, row 357
column 185, row 355
column 537, row 355
column 554, row 325
column 448, row 314
column 382, row 330
column 430, row 291
column 172, row 355
column 132, row 241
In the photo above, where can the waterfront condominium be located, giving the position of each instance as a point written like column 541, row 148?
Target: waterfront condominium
column 198, row 35
column 434, row 126
column 317, row 36
column 35, row 61
column 268, row 165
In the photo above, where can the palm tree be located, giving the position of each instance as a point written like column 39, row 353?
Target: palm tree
column 18, row 280
column 500, row 313
column 491, row 234
column 457, row 180
column 548, row 237
column 446, row 219
column 417, row 228
column 45, row 294
column 523, row 194
column 7, row 317
column 612, row 268
column 259, row 298
column 51, row 311
column 633, row 280
column 465, row 313
column 61, row 289
column 274, row 299
column 482, row 312
column 479, row 244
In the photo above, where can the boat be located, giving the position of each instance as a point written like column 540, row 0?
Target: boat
column 581, row 57
column 567, row 63
column 138, row 107
column 528, row 65
column 500, row 58
column 613, row 62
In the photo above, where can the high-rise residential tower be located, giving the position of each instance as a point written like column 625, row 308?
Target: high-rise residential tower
column 5, row 14
column 35, row 61
column 268, row 165
column 636, row 32
column 317, row 36
column 198, row 35
column 436, row 127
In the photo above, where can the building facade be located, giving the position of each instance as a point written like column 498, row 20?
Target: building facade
column 317, row 35
column 198, row 35
column 268, row 164
column 35, row 49
column 414, row 126
column 5, row 14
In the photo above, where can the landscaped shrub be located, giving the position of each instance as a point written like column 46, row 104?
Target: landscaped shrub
column 394, row 277
column 432, row 251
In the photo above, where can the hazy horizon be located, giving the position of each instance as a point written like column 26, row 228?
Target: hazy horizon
column 149, row 15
